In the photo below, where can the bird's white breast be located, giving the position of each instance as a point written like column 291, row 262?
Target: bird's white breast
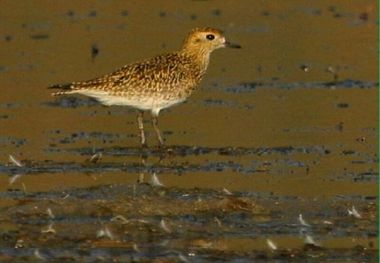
column 154, row 104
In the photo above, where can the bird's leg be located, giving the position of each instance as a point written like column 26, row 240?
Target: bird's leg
column 144, row 158
column 156, row 129
column 140, row 120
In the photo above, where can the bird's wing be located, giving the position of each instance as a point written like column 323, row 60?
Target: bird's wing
column 119, row 80
column 113, row 81
column 145, row 76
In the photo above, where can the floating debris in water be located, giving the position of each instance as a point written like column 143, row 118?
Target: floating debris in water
column 155, row 181
column 302, row 221
column 14, row 178
column 140, row 180
column 361, row 139
column 136, row 247
column 217, row 220
column 120, row 218
column 271, row 244
column 38, row 255
column 165, row 227
column 105, row 232
column 227, row 192
column 13, row 160
column 353, row 212
column 305, row 68
column 182, row 258
column 19, row 243
column 95, row 158
column 50, row 213
column 309, row 240
column 66, row 196
column 334, row 71
column 49, row 230
column 326, row 222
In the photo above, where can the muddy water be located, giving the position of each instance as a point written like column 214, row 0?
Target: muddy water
column 285, row 127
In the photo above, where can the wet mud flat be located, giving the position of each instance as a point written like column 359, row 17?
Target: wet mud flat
column 115, row 203
column 274, row 158
column 299, row 191
column 143, row 222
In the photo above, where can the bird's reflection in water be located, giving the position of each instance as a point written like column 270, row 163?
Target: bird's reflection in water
column 150, row 169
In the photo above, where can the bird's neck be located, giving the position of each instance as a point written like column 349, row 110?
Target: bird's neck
column 201, row 57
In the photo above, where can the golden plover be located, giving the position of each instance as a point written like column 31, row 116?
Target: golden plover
column 157, row 83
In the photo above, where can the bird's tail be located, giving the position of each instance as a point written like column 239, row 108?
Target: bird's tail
column 64, row 89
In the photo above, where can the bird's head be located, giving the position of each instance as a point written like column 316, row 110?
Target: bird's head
column 206, row 40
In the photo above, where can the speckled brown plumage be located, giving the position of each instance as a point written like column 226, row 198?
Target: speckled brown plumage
column 155, row 83
column 169, row 75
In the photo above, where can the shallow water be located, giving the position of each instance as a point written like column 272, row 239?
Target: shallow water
column 286, row 126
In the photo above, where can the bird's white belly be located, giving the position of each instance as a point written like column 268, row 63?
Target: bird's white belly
column 153, row 104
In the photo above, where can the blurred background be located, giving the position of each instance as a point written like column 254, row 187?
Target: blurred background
column 289, row 124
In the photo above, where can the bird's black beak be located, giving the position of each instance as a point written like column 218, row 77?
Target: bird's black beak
column 231, row 45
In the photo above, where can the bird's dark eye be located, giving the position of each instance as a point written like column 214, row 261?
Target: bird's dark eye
column 210, row 36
